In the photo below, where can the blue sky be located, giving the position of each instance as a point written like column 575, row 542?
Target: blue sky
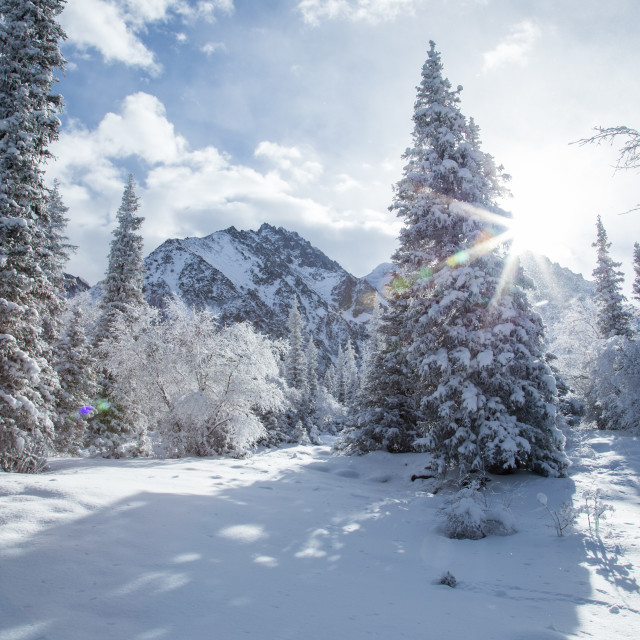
column 296, row 113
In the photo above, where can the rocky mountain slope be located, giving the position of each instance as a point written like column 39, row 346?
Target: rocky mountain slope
column 254, row 276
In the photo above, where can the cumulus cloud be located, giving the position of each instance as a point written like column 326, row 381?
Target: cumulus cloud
column 289, row 161
column 113, row 27
column 103, row 26
column 187, row 192
column 515, row 48
column 373, row 11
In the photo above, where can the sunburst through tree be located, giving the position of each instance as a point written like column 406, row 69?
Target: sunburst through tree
column 462, row 373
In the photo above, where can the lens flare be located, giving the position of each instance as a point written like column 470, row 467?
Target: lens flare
column 102, row 405
column 86, row 410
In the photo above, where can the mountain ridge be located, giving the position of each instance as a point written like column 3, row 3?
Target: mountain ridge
column 254, row 275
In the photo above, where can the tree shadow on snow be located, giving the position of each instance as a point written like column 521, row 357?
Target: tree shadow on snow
column 319, row 552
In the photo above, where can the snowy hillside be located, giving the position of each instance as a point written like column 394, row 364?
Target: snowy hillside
column 254, row 275
column 294, row 543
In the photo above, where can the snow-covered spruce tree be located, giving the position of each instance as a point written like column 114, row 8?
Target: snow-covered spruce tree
column 373, row 345
column 636, row 270
column 76, row 370
column 613, row 397
column 311, row 360
column 613, row 318
column 462, row 374
column 296, row 378
column 348, row 376
column 295, row 362
column 330, row 380
column 316, row 395
column 29, row 56
column 57, row 252
column 613, row 392
column 118, row 429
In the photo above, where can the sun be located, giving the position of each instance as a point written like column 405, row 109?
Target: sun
column 530, row 233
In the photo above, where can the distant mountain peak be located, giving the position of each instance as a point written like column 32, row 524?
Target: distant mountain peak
column 254, row 275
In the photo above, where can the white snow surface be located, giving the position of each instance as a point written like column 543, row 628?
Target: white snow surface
column 295, row 543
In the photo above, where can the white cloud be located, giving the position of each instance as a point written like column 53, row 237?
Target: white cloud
column 186, row 192
column 372, row 11
column 113, row 27
column 514, row 48
column 289, row 160
column 211, row 47
column 103, row 25
column 346, row 182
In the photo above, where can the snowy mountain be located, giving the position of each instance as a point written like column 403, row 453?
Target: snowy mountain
column 380, row 278
column 73, row 285
column 254, row 275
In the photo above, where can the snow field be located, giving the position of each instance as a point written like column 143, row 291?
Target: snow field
column 295, row 543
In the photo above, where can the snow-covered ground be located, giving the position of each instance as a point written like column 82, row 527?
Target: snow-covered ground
column 295, row 543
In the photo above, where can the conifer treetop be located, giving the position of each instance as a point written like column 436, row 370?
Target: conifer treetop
column 613, row 318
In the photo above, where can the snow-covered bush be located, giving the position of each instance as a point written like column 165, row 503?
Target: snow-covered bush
column 613, row 395
column 470, row 516
column 448, row 579
column 563, row 518
column 202, row 386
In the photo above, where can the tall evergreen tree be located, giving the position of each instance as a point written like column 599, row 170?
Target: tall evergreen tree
column 56, row 255
column 462, row 374
column 295, row 361
column 636, row 270
column 613, row 318
column 372, row 346
column 118, row 428
column 76, row 368
column 348, row 375
column 311, row 359
column 29, row 56
column 122, row 287
column 330, row 380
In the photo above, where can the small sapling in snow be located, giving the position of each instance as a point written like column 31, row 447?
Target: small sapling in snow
column 595, row 509
column 563, row 518
column 448, row 579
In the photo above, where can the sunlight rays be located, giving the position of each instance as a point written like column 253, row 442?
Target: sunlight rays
column 516, row 235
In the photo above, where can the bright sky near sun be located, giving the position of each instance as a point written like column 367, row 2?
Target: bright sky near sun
column 297, row 112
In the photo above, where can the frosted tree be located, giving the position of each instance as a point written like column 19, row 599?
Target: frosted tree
column 311, row 359
column 295, row 361
column 122, row 286
column 56, row 254
column 118, row 429
column 613, row 318
column 348, row 375
column 203, row 387
column 372, row 346
column 613, row 397
column 296, row 377
column 636, row 270
column 76, row 370
column 29, row 57
column 629, row 152
column 462, row 374
column 330, row 380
